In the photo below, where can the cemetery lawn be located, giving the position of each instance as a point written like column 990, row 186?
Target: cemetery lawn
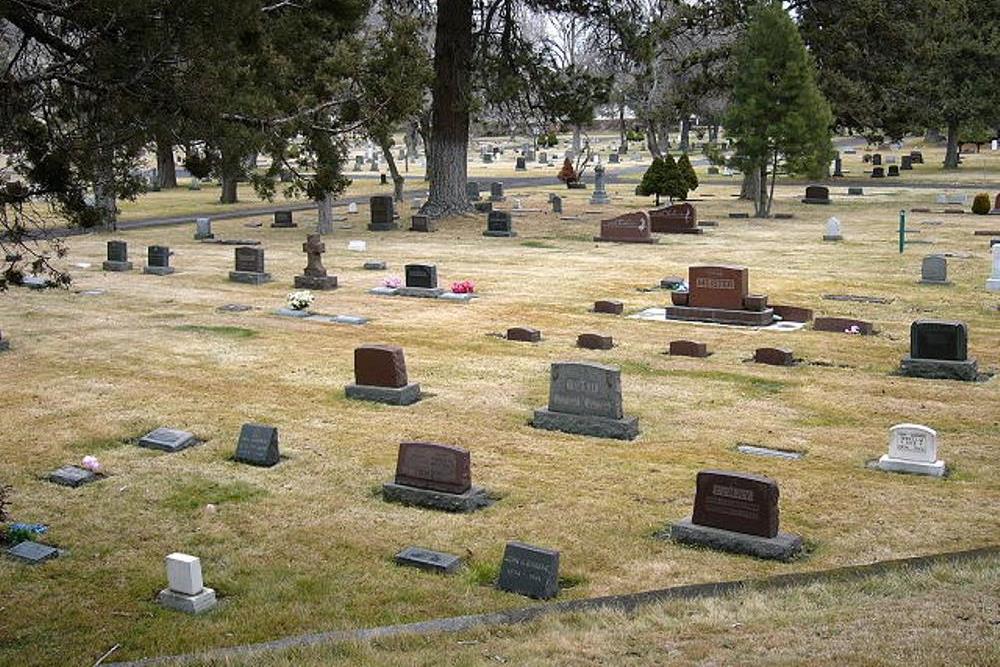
column 307, row 545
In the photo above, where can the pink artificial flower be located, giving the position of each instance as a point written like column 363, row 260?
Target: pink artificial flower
column 463, row 287
column 91, row 463
column 393, row 282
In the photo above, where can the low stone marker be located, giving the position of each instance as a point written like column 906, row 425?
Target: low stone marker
column 912, row 449
column 186, row 591
column 283, row 220
column 609, row 307
column 435, row 476
column 530, row 571
column 258, row 445
column 738, row 513
column 72, row 476
column 421, row 281
column 592, row 341
column 774, row 356
column 496, row 191
column 688, row 348
column 843, row 325
column 586, row 399
column 117, row 257
column 855, row 192
column 524, row 334
column 793, row 313
column 422, row 223
column 380, row 376
column 32, row 553
column 167, row 440
column 426, row 559
column 158, row 260
column 934, row 270
column 249, row 266
column 939, row 350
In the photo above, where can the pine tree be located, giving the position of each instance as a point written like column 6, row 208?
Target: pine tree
column 778, row 113
column 675, row 185
column 690, row 177
column 654, row 180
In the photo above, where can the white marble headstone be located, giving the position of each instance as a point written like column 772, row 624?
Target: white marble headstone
column 913, row 442
column 184, row 574
column 833, row 227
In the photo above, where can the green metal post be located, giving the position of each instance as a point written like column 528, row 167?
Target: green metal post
column 902, row 230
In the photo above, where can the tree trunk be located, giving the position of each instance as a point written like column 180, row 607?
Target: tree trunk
column 751, row 185
column 760, row 200
column 685, row 145
column 324, row 209
column 577, row 140
column 397, row 178
column 951, row 155
column 166, row 168
column 652, row 143
column 228, row 193
column 447, row 165
column 622, row 133
column 664, row 136
column 229, row 173
column 104, row 200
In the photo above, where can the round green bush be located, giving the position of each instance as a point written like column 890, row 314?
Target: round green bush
column 981, row 204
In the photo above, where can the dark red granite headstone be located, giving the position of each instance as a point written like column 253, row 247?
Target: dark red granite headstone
column 380, row 366
column 524, row 334
column 427, row 465
column 773, row 356
column 628, row 228
column 793, row 313
column 611, row 307
column 718, row 286
column 739, row 502
column 591, row 341
column 688, row 348
column 676, row 219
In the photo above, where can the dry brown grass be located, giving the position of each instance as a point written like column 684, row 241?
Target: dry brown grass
column 307, row 545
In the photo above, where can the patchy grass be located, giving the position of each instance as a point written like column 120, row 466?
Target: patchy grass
column 225, row 331
column 196, row 494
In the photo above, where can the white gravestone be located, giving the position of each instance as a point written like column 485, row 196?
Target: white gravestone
column 186, row 590
column 913, row 449
column 993, row 282
column 832, row 230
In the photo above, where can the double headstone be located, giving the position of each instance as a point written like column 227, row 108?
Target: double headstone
column 435, row 476
column 719, row 294
column 600, row 195
column 499, row 224
column 939, row 350
column 934, row 270
column 627, row 228
column 586, row 399
column 158, row 260
column 738, row 513
column 250, row 266
column 117, row 257
column 676, row 219
column 382, row 214
column 314, row 276
column 912, row 449
column 380, row 376
column 817, row 194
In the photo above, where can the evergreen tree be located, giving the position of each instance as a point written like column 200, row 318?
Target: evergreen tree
column 675, row 184
column 690, row 177
column 654, row 180
column 778, row 118
column 567, row 174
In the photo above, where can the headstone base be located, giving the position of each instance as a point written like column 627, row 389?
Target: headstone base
column 810, row 200
column 203, row 237
column 664, row 227
column 316, row 282
column 751, row 318
column 470, row 501
column 249, row 277
column 510, row 234
column 838, row 237
column 116, row 266
column 390, row 395
column 291, row 312
column 420, row 292
column 600, row 239
column 158, row 270
column 783, row 546
column 936, row 369
column 381, row 227
column 284, row 225
column 924, row 281
column 889, row 464
column 626, row 428
column 189, row 604
column 462, row 297
column 600, row 198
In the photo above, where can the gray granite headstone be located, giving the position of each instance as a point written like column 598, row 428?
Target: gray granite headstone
column 167, row 440
column 496, row 191
column 426, row 559
column 557, row 204
column 33, row 553
column 586, row 389
column 203, row 229
column 529, row 570
column 934, row 270
column 472, row 190
column 258, row 445
column 72, row 476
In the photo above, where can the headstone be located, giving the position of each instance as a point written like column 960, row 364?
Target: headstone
column 557, row 204
column 592, row 341
column 499, row 224
column 627, row 228
column 530, row 571
column 817, row 194
column 117, row 257
column 993, row 282
column 600, row 195
column 838, row 168
column 939, row 350
column 912, row 449
column 713, row 171
column 496, row 191
column 359, row 162
column 158, row 260
column 435, row 476
column 855, row 192
column 524, row 334
column 774, row 356
column 609, row 307
column 676, row 219
column 876, row 159
column 422, row 276
column 472, row 190
column 917, row 157
column 994, row 211
column 614, row 158
column 586, row 399
column 352, row 207
column 314, row 275
column 72, row 476
column 893, row 170
column 383, row 179
column 906, row 163
column 380, row 376
column 422, row 223
column 833, row 230
column 934, row 270
column 543, row 158
column 374, row 265
column 688, row 348
column 249, row 266
column 258, row 445
column 737, row 512
column 529, row 154
column 426, row 559
column 4, row 343
column 878, row 172
column 203, row 229
column 32, row 553
column 185, row 590
column 382, row 214
column 167, row 440
column 283, row 220
column 719, row 294
column 487, row 158
column 519, row 164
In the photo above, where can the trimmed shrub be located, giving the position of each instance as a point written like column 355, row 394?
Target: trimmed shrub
column 981, row 204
